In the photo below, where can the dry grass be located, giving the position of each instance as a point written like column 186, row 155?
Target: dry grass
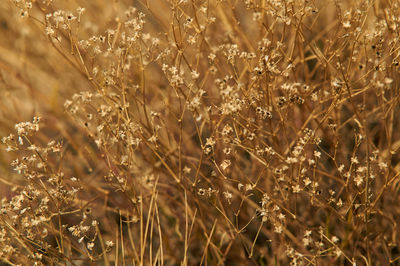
column 237, row 132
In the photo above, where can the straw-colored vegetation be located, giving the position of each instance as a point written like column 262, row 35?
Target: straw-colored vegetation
column 199, row 132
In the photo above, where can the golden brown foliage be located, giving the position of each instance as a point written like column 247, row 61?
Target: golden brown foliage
column 237, row 132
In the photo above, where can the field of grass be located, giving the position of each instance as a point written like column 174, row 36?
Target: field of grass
column 199, row 132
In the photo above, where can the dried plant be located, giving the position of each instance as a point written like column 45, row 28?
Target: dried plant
column 199, row 132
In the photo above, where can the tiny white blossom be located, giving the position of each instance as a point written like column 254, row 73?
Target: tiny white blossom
column 90, row 245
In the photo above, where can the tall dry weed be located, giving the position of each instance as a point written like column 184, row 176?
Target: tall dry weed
column 212, row 132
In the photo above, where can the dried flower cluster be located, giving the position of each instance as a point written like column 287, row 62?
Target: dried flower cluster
column 195, row 132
